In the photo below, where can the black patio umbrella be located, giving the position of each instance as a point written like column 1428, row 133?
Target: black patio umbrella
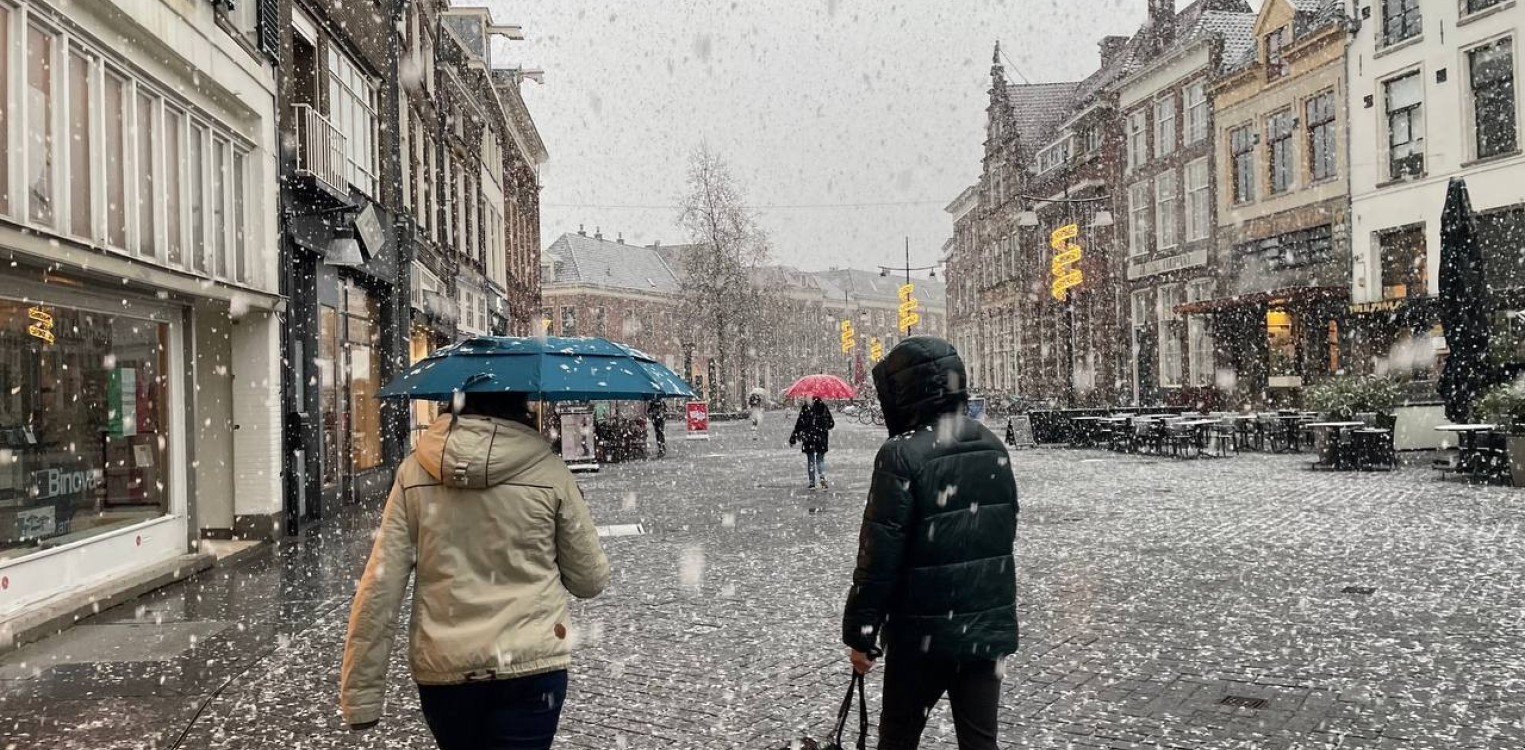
column 1464, row 306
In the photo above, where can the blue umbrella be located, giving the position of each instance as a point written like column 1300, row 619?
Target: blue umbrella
column 551, row 369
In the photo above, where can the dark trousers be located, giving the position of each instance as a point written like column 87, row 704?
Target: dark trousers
column 516, row 714
column 913, row 684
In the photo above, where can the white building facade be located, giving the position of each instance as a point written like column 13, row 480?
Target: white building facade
column 1432, row 97
column 139, row 333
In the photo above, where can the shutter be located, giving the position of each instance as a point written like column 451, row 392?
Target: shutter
column 269, row 28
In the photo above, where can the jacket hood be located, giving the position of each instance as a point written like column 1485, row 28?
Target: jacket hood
column 920, row 380
column 475, row 452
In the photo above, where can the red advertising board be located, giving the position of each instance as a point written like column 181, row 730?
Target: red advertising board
column 697, row 413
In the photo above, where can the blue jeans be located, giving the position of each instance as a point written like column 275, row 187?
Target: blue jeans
column 514, row 714
column 815, row 466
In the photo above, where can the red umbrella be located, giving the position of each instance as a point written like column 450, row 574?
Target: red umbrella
column 828, row 387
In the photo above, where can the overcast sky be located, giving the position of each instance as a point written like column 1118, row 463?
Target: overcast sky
column 814, row 104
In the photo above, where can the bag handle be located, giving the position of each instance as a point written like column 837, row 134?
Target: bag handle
column 846, row 710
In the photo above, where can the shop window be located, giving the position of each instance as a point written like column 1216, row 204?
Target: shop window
column 1281, row 344
column 364, row 343
column 83, row 419
column 1494, row 109
column 1199, row 337
column 1332, row 344
column 1405, row 126
column 1404, row 263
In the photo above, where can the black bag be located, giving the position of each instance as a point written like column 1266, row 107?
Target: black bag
column 834, row 741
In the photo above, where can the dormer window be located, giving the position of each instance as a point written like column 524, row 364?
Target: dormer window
column 1276, row 62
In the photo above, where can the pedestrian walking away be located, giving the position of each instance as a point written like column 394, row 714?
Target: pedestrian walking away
column 812, row 432
column 755, row 413
column 494, row 531
column 656, row 411
column 934, row 590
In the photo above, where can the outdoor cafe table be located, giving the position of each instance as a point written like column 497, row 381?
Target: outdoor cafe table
column 1084, row 434
column 1334, row 458
column 1197, row 427
column 1292, row 424
column 1469, row 432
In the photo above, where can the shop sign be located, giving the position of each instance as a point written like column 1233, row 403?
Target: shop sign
column 577, row 434
column 909, row 306
column 1380, row 306
column 368, row 226
column 697, row 414
column 36, row 523
column 1066, row 255
column 50, row 483
column 42, row 324
column 1166, row 265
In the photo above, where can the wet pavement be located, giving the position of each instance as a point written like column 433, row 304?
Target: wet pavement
column 1245, row 602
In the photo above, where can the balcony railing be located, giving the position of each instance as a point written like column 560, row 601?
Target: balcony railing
column 320, row 148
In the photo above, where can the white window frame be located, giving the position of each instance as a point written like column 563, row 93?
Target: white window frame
column 1169, row 338
column 1140, row 206
column 1167, row 202
column 1200, row 345
column 1164, row 126
column 1198, row 111
column 353, row 97
column 1199, row 205
column 1138, row 139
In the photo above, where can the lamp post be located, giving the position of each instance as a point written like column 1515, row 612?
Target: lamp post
column 1062, row 246
column 884, row 271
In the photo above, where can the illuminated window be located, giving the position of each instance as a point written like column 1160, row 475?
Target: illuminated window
column 1405, row 262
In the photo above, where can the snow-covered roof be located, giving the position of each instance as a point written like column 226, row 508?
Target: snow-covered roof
column 579, row 259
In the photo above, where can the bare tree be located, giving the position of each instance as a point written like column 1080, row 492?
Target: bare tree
column 727, row 246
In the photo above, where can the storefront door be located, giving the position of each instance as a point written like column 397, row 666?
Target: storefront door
column 349, row 373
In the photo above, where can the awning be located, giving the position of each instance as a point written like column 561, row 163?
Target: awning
column 1274, row 298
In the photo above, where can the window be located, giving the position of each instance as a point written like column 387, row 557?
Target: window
column 1405, row 262
column 1093, row 140
column 40, row 126
column 198, row 170
column 1172, row 334
column 1281, row 344
column 1279, row 151
column 81, row 163
column 1054, row 156
column 1167, row 201
column 1405, row 126
column 218, row 199
column 1276, row 62
column 1140, row 218
column 352, row 109
column 569, row 321
column 600, row 322
column 174, row 219
column 1322, row 148
column 1198, row 200
column 1400, row 21
column 116, row 159
column 145, row 170
column 1196, row 113
column 5, row 120
column 1494, row 112
column 1165, row 126
column 1138, row 139
column 1242, row 159
column 1199, row 337
column 241, row 264
column 1477, row 6
column 1143, row 308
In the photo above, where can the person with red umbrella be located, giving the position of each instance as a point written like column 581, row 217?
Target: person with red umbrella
column 812, row 431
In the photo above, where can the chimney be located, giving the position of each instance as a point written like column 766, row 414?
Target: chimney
column 621, row 238
column 1162, row 22
column 598, row 233
column 1111, row 47
column 582, row 231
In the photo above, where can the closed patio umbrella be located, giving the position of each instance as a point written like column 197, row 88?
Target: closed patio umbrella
column 1464, row 306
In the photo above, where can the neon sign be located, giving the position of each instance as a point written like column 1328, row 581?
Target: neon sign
column 1066, row 255
column 42, row 324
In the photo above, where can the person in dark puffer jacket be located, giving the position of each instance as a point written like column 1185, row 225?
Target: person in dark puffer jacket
column 935, row 584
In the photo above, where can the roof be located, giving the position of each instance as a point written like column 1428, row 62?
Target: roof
column 870, row 286
column 1038, row 108
column 1237, row 30
column 579, row 259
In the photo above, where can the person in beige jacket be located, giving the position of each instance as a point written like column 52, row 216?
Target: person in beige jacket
column 492, row 527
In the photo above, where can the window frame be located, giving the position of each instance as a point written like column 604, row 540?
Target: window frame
column 1242, row 172
column 1197, row 129
column 1322, row 127
column 1137, row 132
column 1509, row 88
column 1413, row 114
column 1166, row 209
column 1409, row 19
column 1200, row 194
column 1281, row 166
column 1164, row 125
column 1140, row 233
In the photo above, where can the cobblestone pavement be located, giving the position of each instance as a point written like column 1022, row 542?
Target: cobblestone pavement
column 1237, row 603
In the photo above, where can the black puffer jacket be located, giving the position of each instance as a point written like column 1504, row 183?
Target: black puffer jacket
column 812, row 430
column 935, row 568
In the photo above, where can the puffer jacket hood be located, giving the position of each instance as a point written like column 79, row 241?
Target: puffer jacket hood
column 920, row 380
column 478, row 452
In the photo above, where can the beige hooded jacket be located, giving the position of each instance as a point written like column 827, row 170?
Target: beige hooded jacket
column 495, row 528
